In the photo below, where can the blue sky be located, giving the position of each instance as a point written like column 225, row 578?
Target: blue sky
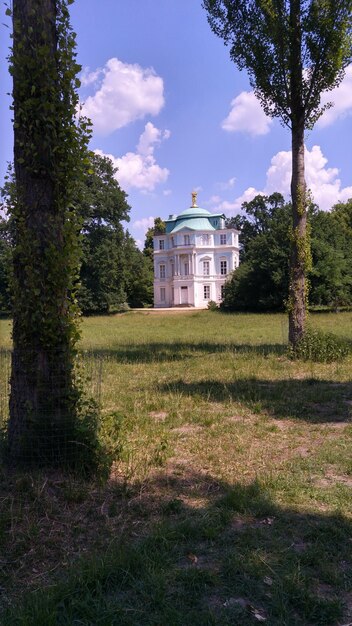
column 174, row 113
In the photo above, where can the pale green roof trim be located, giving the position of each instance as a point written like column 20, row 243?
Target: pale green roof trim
column 196, row 223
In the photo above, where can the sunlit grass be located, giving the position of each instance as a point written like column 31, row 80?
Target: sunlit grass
column 231, row 496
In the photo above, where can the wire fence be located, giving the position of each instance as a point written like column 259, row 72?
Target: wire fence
column 49, row 407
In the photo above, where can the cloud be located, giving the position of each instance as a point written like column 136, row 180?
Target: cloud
column 144, row 223
column 223, row 186
column 247, row 116
column 150, row 136
column 227, row 206
column 341, row 97
column 139, row 169
column 89, row 78
column 167, row 192
column 323, row 182
column 126, row 93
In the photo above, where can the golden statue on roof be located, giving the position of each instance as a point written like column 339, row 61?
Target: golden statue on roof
column 194, row 199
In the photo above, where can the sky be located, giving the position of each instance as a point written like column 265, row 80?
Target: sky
column 174, row 114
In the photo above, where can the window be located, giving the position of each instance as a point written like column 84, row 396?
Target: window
column 162, row 294
column 186, row 269
column 206, row 289
column 162, row 271
column 161, row 244
column 173, row 241
column 222, row 240
column 172, row 269
column 223, row 268
column 186, row 240
column 222, row 292
column 205, row 240
column 206, row 268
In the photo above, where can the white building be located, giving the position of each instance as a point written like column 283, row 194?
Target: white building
column 193, row 258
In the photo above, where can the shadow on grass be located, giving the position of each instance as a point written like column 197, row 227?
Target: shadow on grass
column 310, row 399
column 208, row 554
column 178, row 351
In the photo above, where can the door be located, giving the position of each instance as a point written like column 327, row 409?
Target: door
column 184, row 295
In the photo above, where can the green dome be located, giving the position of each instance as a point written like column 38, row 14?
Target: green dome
column 194, row 212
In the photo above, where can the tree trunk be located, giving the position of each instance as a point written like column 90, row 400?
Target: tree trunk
column 299, row 245
column 40, row 425
column 299, row 252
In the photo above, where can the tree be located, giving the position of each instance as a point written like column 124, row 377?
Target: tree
column 159, row 228
column 331, row 275
column 138, row 274
column 114, row 271
column 5, row 267
column 102, row 206
column 261, row 281
column 49, row 156
column 259, row 213
column 293, row 50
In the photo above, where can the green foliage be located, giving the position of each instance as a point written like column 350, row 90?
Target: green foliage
column 50, row 145
column 5, row 268
column 138, row 274
column 50, row 157
column 293, row 52
column 260, row 283
column 212, row 306
column 331, row 275
column 320, row 347
column 257, row 220
column 159, row 228
column 114, row 273
column 263, row 37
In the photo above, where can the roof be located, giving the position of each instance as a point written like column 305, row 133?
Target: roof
column 195, row 223
column 193, row 218
column 194, row 212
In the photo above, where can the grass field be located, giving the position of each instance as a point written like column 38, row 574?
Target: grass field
column 230, row 502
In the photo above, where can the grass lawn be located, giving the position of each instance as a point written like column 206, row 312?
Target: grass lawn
column 230, row 502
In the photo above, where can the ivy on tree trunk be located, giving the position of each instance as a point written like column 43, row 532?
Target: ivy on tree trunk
column 49, row 156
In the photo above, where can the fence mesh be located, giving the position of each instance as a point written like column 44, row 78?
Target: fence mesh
column 54, row 407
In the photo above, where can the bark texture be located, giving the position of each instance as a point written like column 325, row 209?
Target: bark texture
column 298, row 260
column 41, row 377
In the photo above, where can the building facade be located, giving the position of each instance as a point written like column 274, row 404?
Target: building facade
column 193, row 258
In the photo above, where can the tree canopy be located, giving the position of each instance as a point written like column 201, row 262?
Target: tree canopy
column 293, row 50
column 261, row 281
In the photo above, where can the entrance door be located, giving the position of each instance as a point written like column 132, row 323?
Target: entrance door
column 184, row 295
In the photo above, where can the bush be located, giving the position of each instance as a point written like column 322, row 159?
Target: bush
column 212, row 306
column 321, row 347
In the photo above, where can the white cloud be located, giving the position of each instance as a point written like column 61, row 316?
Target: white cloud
column 144, row 223
column 150, row 136
column 126, row 93
column 226, row 206
column 89, row 78
column 341, row 97
column 323, row 182
column 139, row 169
column 167, row 192
column 247, row 116
column 223, row 186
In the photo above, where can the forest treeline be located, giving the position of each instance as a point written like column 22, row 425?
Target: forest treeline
column 115, row 274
